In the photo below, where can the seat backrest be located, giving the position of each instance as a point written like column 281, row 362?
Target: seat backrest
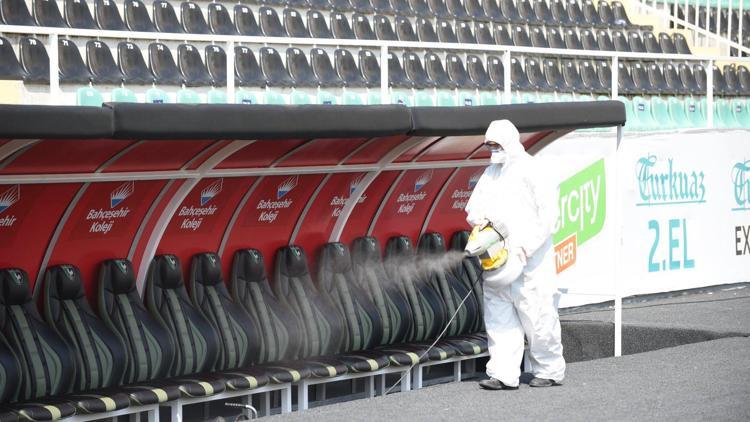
column 624, row 78
column 427, row 307
column 397, row 77
column 323, row 69
column 666, row 44
column 604, row 40
column 244, row 21
column 10, row 68
column 501, row 35
column 445, row 32
column 656, row 77
column 102, row 64
column 193, row 20
column 322, row 325
column 132, row 64
column 216, row 64
column 78, row 15
column 340, row 26
column 273, row 68
column 317, row 25
column 681, row 44
column 469, row 272
column 148, row 345
column 590, row 13
column 196, row 342
column 239, row 337
column 436, row 71
column 280, row 330
column 496, row 71
column 246, row 68
column 554, row 38
column 99, row 352
column 456, row 8
column 300, row 69
column 46, row 360
column 15, row 12
column 46, row 13
column 404, row 30
column 219, row 20
column 483, row 33
column 362, row 28
column 72, row 67
column 520, row 36
column 420, row 8
column 477, row 72
column 136, row 17
column 651, row 42
column 457, row 71
column 384, row 29
column 191, row 66
column 294, row 25
column 382, row 6
column 464, row 33
column 635, row 42
column 108, row 15
column 336, row 279
column 510, row 11
column 165, row 18
column 538, row 39
column 588, row 40
column 440, row 275
column 439, row 9
column 425, row 31
column 370, row 68
column 162, row 64
column 534, row 74
column 389, row 299
column 415, row 71
column 560, row 14
column 10, row 372
column 270, row 24
column 640, row 77
column 347, row 69
column 572, row 41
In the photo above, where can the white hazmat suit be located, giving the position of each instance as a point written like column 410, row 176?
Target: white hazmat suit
column 515, row 191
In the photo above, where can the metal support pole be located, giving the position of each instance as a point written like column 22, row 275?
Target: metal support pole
column 618, row 244
column 506, row 78
column 54, row 75
column 385, row 97
column 710, row 94
column 230, row 72
column 615, row 77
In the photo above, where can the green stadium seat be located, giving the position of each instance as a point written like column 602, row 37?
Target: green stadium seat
column 642, row 111
column 272, row 97
column 566, row 98
column 467, row 99
column 326, row 98
column 488, row 98
column 245, row 97
column 425, row 99
column 351, row 98
column 373, row 98
column 677, row 112
column 188, row 96
column 694, row 114
column 89, row 96
column 661, row 115
column 723, row 110
column 741, row 112
column 528, row 97
column 123, row 95
column 585, row 98
column 299, row 97
column 604, row 98
column 632, row 122
column 545, row 98
column 157, row 96
column 400, row 97
column 217, row 96
column 446, row 99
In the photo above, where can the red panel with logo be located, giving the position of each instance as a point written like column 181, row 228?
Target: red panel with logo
column 375, row 150
column 65, row 156
column 449, row 215
column 322, row 152
column 28, row 217
column 102, row 225
column 260, row 153
column 199, row 222
column 158, row 155
column 407, row 206
column 364, row 212
column 268, row 217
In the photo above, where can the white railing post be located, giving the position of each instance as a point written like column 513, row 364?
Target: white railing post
column 506, row 78
column 730, row 13
column 708, row 19
column 54, row 73
column 718, row 20
column 615, row 77
column 710, row 94
column 230, row 72
column 385, row 97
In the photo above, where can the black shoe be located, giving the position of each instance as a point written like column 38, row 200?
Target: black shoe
column 495, row 384
column 542, row 382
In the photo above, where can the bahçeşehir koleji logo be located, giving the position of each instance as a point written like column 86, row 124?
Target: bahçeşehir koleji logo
column 474, row 179
column 10, row 197
column 286, row 186
column 741, row 180
column 209, row 192
column 354, row 184
column 121, row 193
column 422, row 180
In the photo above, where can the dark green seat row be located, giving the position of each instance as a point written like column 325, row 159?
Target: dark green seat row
column 359, row 318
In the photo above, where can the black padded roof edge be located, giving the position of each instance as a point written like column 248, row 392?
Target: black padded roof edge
column 230, row 121
column 59, row 122
column 536, row 117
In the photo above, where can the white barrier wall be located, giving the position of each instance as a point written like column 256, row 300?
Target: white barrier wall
column 684, row 206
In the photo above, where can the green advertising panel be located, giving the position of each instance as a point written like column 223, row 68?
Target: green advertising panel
column 582, row 204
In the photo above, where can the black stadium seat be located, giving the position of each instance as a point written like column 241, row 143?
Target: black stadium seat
column 244, row 21
column 425, row 31
column 731, row 79
column 483, row 32
column 340, row 26
column 34, row 60
column 572, row 42
column 560, row 14
column 193, row 20
column 108, row 15
column 501, row 35
column 743, row 79
column 317, row 25
column 604, row 73
column 445, row 32
column 246, row 68
column 681, row 44
column 136, row 17
column 404, row 30
column 576, row 15
column 104, row 69
column 340, row 5
column 216, row 64
column 673, row 81
column 478, row 73
column 162, row 65
column 273, row 68
column 625, row 83
column 294, row 25
column 543, row 13
column 554, row 38
column 464, row 34
column 15, row 12
column 457, row 72
column 590, row 78
column 72, row 67
column 382, row 7
column 608, row 17
column 270, row 24
column 362, row 6
column 299, row 68
column 666, row 44
column 571, row 76
column 475, row 11
column 439, row 9
column 588, row 40
column 132, row 65
column 590, row 14
column 657, row 80
column 401, row 8
column 469, row 271
column 46, row 13
column 620, row 41
column 641, row 80
column 536, row 76
column 10, row 68
column 604, row 40
column 362, row 28
column 701, row 78
column 538, row 40
column 520, row 37
column 526, row 11
column 384, row 28
column 78, row 15
column 420, row 8
column 457, row 9
column 635, row 42
column 720, row 83
column 496, row 72
column 368, row 65
column 165, row 18
column 219, row 20
column 396, row 74
column 492, row 11
column 436, row 71
column 347, row 69
column 651, row 43
column 416, row 72
column 518, row 78
column 323, row 69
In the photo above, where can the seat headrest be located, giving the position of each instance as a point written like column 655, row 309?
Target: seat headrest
column 366, row 249
column 250, row 263
column 292, row 261
column 399, row 247
column 207, row 269
column 64, row 282
column 431, row 243
column 459, row 240
column 15, row 286
column 335, row 257
column 118, row 276
column 167, row 271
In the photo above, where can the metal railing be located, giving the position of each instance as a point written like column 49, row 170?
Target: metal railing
column 229, row 42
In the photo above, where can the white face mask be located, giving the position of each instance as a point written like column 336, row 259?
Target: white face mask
column 498, row 157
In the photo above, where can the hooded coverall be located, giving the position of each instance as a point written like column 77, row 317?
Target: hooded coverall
column 519, row 194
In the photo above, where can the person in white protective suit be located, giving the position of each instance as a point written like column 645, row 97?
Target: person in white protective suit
column 519, row 297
